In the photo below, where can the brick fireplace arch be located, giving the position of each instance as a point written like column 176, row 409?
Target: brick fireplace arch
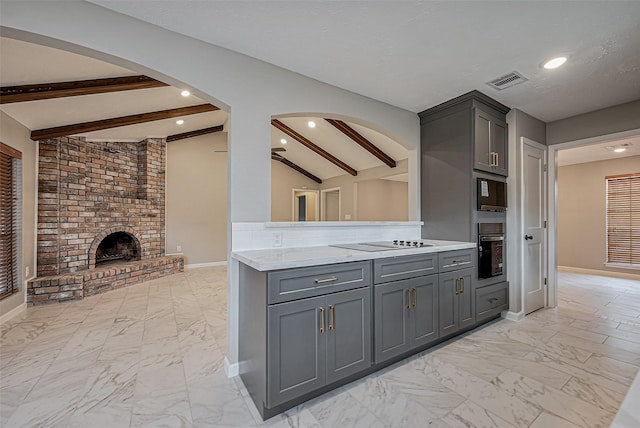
column 103, row 234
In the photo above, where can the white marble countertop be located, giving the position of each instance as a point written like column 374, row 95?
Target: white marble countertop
column 285, row 258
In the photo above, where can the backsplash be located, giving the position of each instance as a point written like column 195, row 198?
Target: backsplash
column 257, row 236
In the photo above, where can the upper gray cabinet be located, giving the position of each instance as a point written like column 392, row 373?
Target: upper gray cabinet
column 490, row 143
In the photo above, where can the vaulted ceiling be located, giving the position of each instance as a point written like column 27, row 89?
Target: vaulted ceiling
column 56, row 93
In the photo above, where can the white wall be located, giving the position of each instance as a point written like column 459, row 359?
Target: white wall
column 520, row 125
column 15, row 135
column 196, row 213
column 582, row 212
column 283, row 181
column 251, row 90
column 382, row 200
column 348, row 188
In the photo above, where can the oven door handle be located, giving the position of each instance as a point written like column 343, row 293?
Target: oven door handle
column 491, row 238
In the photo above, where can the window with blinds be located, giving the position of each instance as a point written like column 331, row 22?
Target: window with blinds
column 623, row 220
column 10, row 221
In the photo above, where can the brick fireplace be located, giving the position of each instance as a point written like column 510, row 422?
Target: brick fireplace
column 101, row 217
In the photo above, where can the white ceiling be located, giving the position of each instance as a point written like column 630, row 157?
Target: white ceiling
column 418, row 54
column 410, row 54
column 599, row 152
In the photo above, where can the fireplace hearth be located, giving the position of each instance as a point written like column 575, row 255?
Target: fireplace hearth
column 101, row 217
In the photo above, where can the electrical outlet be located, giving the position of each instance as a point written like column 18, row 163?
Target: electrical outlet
column 179, row 248
column 277, row 239
column 347, row 216
column 27, row 271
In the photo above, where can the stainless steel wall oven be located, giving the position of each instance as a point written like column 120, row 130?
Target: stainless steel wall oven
column 490, row 246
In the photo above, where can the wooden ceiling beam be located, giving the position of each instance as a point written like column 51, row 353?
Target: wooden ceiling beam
column 97, row 125
column 310, row 145
column 45, row 91
column 294, row 166
column 195, row 133
column 362, row 141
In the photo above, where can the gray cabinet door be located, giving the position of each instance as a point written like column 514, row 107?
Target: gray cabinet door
column 490, row 143
column 296, row 349
column 423, row 315
column 391, row 320
column 447, row 303
column 348, row 333
column 482, row 142
column 499, row 146
column 466, row 299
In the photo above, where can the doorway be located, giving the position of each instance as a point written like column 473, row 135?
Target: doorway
column 305, row 205
column 552, row 187
column 330, row 204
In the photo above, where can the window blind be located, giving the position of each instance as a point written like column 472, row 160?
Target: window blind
column 9, row 220
column 623, row 219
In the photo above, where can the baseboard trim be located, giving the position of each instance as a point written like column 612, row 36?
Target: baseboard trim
column 232, row 370
column 13, row 313
column 611, row 274
column 512, row 316
column 201, row 265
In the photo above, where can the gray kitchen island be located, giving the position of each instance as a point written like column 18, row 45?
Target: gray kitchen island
column 314, row 318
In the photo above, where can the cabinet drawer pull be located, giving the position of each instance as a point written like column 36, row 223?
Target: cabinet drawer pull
column 455, row 263
column 458, row 260
column 322, row 281
column 321, row 319
column 408, row 290
column 493, row 300
column 332, row 323
column 415, row 298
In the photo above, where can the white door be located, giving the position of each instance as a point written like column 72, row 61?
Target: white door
column 534, row 242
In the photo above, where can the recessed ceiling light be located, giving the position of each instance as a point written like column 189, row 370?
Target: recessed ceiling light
column 555, row 62
column 620, row 149
column 185, row 93
column 179, row 122
column 311, row 124
column 283, row 141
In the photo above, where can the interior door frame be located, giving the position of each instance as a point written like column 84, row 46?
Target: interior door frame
column 552, row 202
column 521, row 202
column 323, row 203
column 293, row 203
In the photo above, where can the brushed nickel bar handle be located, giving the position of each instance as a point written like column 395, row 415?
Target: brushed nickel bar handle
column 408, row 298
column 415, row 297
column 497, row 159
column 462, row 283
column 331, row 319
column 493, row 300
column 322, row 281
column 321, row 319
column 457, row 286
column 458, row 261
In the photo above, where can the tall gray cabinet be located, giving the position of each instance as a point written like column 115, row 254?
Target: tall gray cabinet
column 464, row 140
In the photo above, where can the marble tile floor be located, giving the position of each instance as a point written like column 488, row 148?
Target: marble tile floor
column 151, row 355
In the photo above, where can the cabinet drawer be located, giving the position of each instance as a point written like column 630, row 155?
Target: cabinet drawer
column 404, row 267
column 491, row 300
column 293, row 284
column 454, row 260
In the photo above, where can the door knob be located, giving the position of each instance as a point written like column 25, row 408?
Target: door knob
column 527, row 237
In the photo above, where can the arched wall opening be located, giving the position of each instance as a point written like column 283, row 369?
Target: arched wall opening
column 232, row 81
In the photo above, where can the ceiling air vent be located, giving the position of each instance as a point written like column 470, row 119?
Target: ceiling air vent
column 507, row 80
